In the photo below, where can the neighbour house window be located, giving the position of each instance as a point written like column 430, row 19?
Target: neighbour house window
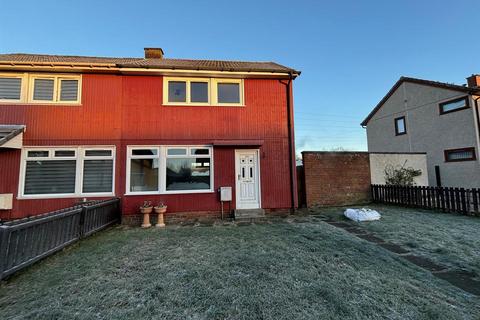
column 454, row 105
column 55, row 89
column 203, row 91
column 67, row 171
column 97, row 171
column 400, row 126
column 463, row 154
column 10, row 88
column 36, row 88
column 173, row 169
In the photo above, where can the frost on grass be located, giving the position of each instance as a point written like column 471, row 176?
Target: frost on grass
column 447, row 239
column 300, row 269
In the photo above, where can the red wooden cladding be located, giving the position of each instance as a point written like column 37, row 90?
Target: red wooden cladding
column 127, row 110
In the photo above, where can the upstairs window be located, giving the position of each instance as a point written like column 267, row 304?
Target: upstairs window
column 228, row 92
column 400, row 126
column 454, row 105
column 463, row 154
column 68, row 89
column 177, row 91
column 203, row 91
column 40, row 88
column 186, row 91
column 10, row 88
column 55, row 89
column 43, row 89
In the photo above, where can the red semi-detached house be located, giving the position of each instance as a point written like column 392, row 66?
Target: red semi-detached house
column 157, row 129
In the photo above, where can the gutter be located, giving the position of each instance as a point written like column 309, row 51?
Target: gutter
column 141, row 70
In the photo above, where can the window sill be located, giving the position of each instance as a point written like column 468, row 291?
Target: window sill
column 46, row 103
column 64, row 196
column 167, row 192
column 202, row 105
column 454, row 110
column 460, row 160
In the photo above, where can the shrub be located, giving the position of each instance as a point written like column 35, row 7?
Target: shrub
column 401, row 175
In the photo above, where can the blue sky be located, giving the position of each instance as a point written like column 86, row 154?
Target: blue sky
column 350, row 52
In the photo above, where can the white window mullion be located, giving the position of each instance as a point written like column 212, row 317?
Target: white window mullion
column 79, row 176
column 163, row 168
column 188, row 92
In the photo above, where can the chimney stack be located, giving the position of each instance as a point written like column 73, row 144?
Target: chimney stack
column 153, row 53
column 473, row 81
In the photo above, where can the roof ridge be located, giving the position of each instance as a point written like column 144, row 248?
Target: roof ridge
column 404, row 78
column 64, row 55
column 444, row 85
column 133, row 58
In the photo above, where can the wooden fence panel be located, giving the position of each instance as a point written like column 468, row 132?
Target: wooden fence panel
column 459, row 200
column 25, row 241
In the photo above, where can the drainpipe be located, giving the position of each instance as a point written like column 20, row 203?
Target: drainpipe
column 478, row 118
column 291, row 143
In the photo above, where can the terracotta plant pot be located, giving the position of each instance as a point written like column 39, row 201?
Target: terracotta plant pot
column 160, row 211
column 146, row 216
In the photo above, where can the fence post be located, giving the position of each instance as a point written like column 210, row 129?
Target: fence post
column 462, row 198
column 475, row 200
column 3, row 249
column 81, row 222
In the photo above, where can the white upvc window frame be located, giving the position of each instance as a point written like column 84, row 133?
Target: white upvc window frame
column 162, row 160
column 217, row 81
column 130, row 156
column 79, row 157
column 23, row 87
column 57, row 78
column 212, row 91
column 188, row 81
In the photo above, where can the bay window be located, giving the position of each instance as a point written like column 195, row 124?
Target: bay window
column 76, row 171
column 169, row 169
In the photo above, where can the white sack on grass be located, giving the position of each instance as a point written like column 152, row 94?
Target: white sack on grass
column 363, row 214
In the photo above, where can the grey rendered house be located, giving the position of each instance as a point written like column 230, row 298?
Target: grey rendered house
column 440, row 119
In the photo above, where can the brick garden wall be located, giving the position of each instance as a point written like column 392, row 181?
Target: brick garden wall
column 336, row 178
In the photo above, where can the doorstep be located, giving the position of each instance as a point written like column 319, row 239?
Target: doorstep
column 249, row 214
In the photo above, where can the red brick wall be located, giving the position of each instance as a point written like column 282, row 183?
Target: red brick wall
column 336, row 178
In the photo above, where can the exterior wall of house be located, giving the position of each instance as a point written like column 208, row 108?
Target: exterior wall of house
column 336, row 178
column 120, row 110
column 380, row 161
column 428, row 131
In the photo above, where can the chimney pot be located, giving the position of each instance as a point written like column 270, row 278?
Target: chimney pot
column 153, row 53
column 473, row 81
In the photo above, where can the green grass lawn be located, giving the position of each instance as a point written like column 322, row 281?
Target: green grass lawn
column 448, row 239
column 298, row 268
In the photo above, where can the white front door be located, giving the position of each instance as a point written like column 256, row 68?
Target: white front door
column 247, row 172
